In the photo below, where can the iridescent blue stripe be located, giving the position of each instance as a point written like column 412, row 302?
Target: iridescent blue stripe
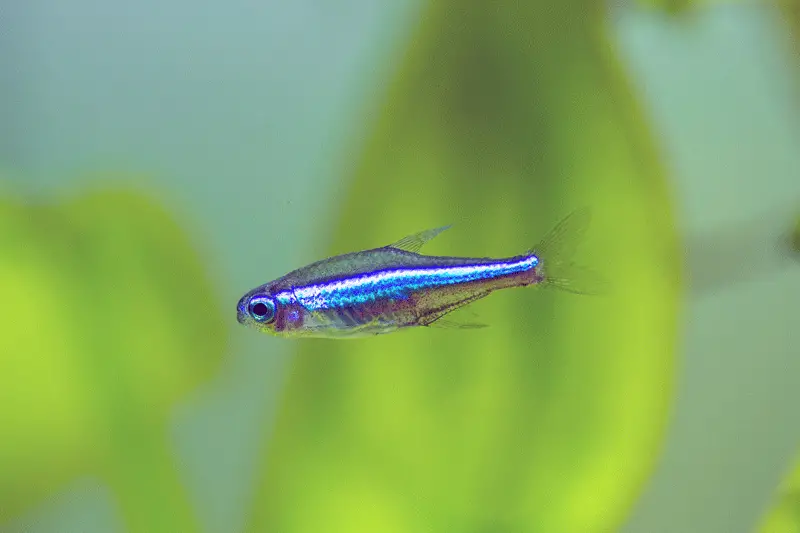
column 398, row 283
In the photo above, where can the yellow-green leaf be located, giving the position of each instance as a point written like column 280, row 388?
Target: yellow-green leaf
column 504, row 117
column 791, row 10
column 670, row 6
column 110, row 318
column 784, row 517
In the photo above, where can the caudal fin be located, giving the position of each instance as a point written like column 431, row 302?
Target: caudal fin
column 555, row 252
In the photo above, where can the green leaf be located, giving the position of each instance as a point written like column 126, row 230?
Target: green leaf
column 504, row 118
column 672, row 6
column 791, row 11
column 680, row 7
column 113, row 319
column 784, row 516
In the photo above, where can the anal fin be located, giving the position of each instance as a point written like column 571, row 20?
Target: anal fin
column 444, row 323
column 434, row 318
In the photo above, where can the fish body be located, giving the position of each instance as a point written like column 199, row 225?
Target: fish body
column 393, row 287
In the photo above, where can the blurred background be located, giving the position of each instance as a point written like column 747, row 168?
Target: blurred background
column 158, row 160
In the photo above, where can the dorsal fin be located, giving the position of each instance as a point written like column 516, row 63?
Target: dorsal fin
column 413, row 243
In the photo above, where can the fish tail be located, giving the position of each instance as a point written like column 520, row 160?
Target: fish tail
column 555, row 251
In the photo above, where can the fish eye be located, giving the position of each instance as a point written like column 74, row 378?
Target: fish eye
column 262, row 309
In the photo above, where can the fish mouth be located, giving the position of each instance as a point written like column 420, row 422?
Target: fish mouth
column 241, row 314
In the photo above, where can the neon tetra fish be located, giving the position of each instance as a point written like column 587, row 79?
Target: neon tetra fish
column 390, row 288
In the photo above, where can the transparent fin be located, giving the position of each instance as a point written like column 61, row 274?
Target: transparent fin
column 443, row 323
column 433, row 318
column 555, row 253
column 564, row 239
column 576, row 279
column 413, row 243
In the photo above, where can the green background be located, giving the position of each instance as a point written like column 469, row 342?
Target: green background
column 254, row 139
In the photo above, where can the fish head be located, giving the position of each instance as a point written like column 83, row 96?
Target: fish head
column 258, row 309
